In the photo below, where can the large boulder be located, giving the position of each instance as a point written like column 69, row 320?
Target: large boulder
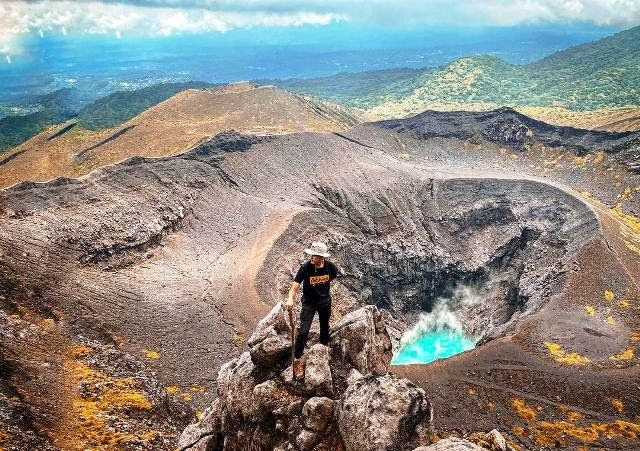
column 452, row 444
column 317, row 373
column 206, row 433
column 271, row 339
column 360, row 340
column 317, row 413
column 235, row 384
column 383, row 412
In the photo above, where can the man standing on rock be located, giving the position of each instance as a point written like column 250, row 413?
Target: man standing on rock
column 315, row 276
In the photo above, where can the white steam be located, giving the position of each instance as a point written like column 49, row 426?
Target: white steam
column 443, row 316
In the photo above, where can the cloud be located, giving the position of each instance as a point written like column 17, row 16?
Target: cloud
column 463, row 12
column 167, row 17
column 150, row 17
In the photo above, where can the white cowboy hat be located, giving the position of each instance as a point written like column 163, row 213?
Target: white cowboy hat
column 318, row 248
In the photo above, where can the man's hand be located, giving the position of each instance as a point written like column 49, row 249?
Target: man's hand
column 293, row 291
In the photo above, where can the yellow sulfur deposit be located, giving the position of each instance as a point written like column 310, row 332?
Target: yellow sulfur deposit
column 624, row 355
column 561, row 356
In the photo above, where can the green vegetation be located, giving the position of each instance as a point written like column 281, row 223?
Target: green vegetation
column 359, row 89
column 119, row 107
column 600, row 74
column 57, row 107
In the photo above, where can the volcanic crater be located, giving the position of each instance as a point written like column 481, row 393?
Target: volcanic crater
column 169, row 262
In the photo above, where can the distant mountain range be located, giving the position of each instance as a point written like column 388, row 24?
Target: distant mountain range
column 604, row 74
column 601, row 74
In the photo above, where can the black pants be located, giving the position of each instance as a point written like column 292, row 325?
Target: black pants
column 306, row 317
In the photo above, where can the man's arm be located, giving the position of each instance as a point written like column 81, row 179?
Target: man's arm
column 293, row 292
column 334, row 271
column 295, row 286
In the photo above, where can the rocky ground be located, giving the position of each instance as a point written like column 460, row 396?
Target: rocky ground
column 131, row 287
column 346, row 399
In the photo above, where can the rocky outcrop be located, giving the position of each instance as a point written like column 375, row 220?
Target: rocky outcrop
column 505, row 126
column 407, row 413
column 346, row 399
column 451, row 444
column 478, row 441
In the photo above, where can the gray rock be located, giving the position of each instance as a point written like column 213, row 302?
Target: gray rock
column 317, row 373
column 271, row 340
column 451, row 444
column 235, row 391
column 306, row 440
column 203, row 435
column 492, row 440
column 361, row 340
column 381, row 412
column 496, row 440
column 354, row 375
column 317, row 413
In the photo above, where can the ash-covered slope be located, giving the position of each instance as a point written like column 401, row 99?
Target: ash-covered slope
column 507, row 127
column 171, row 127
column 172, row 259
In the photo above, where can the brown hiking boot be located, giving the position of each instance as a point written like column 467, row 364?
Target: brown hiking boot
column 298, row 369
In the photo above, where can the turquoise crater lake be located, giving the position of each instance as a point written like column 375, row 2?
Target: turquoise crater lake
column 438, row 344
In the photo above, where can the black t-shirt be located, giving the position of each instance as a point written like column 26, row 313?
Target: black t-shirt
column 315, row 282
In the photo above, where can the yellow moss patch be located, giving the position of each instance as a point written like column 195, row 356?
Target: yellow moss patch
column 524, row 411
column 197, row 389
column 151, row 354
column 635, row 336
column 624, row 355
column 4, row 437
column 186, row 396
column 80, row 351
column 550, row 433
column 238, row 339
column 609, row 295
column 632, row 247
column 173, row 389
column 89, row 416
column 630, row 228
column 561, row 356
column 574, row 416
column 518, row 430
column 48, row 324
column 623, row 304
column 590, row 310
column 618, row 428
column 610, row 320
column 618, row 405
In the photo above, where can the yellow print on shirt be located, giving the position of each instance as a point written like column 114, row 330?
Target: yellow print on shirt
column 315, row 280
